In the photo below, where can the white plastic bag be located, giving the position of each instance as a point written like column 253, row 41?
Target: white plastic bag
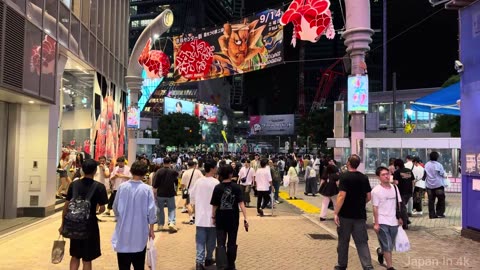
column 446, row 182
column 402, row 244
column 286, row 180
column 151, row 254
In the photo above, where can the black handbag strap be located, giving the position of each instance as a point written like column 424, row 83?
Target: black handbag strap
column 396, row 198
column 247, row 173
column 191, row 177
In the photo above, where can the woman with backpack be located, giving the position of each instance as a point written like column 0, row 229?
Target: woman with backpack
column 310, row 179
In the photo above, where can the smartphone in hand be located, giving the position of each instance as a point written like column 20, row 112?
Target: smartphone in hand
column 245, row 224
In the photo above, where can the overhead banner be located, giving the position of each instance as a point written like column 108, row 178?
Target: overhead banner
column 250, row 44
column 282, row 124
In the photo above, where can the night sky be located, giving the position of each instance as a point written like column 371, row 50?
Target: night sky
column 422, row 57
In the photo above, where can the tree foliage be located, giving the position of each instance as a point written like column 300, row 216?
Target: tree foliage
column 318, row 125
column 179, row 129
column 448, row 123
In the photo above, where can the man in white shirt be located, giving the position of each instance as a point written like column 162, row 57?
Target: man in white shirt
column 409, row 165
column 200, row 196
column 103, row 173
column 263, row 181
column 245, row 179
column 120, row 174
column 189, row 177
column 385, row 198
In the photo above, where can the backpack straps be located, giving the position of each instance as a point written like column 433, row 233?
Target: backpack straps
column 91, row 191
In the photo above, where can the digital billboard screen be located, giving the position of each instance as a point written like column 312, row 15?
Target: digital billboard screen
column 358, row 93
column 173, row 105
column 133, row 117
column 282, row 124
column 206, row 113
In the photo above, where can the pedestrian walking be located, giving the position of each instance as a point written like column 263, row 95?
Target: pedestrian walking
column 293, row 185
column 351, row 215
column 87, row 249
column 120, row 174
column 246, row 177
column 276, row 179
column 434, row 183
column 385, row 201
column 329, row 189
column 311, row 185
column 164, row 187
column 135, row 210
column 263, row 182
column 419, row 189
column 403, row 178
column 200, row 197
column 226, row 201
column 189, row 178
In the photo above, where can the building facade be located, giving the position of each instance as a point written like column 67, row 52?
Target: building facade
column 62, row 90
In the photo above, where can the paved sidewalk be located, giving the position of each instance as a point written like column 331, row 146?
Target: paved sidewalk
column 436, row 243
column 279, row 242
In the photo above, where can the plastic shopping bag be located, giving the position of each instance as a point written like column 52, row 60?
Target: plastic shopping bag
column 151, row 254
column 402, row 244
column 446, row 182
column 58, row 250
column 286, row 180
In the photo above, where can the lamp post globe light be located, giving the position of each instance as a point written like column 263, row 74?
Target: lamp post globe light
column 225, row 121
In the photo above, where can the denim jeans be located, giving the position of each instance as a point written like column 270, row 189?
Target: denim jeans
column 439, row 194
column 276, row 185
column 171, row 210
column 205, row 239
column 357, row 228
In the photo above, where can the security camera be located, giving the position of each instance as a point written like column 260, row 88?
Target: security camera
column 458, row 66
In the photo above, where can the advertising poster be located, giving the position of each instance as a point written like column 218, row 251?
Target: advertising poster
column 358, row 93
column 250, row 44
column 282, row 124
column 173, row 105
column 471, row 165
column 206, row 112
column 133, row 117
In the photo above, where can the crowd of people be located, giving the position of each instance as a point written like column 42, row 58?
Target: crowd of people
column 216, row 189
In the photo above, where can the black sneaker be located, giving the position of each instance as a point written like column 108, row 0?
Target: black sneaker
column 209, row 262
column 379, row 256
column 322, row 219
column 199, row 266
column 260, row 212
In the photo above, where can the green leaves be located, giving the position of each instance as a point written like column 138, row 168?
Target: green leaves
column 179, row 129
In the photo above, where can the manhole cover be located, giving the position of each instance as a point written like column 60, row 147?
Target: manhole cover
column 318, row 236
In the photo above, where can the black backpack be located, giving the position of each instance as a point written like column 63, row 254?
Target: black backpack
column 76, row 220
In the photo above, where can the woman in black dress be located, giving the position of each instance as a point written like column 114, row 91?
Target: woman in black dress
column 329, row 189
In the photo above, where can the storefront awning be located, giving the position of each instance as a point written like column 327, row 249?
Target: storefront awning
column 444, row 101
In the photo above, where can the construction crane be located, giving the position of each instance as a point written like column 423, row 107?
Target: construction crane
column 325, row 85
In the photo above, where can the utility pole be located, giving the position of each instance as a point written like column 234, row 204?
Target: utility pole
column 358, row 36
column 385, row 56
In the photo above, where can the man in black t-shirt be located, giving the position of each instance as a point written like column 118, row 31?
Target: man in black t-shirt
column 227, row 197
column 351, row 214
column 87, row 249
column 403, row 178
column 164, row 186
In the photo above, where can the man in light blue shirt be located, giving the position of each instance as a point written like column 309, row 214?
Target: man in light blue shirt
column 434, row 183
column 136, row 214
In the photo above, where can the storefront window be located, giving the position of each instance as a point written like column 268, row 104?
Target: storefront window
column 387, row 153
column 372, row 160
column 75, row 34
column 64, row 25
column 34, row 11
column 77, row 96
column 86, row 12
column 50, row 17
column 33, row 59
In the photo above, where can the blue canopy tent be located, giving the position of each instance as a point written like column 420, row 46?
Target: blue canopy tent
column 444, row 101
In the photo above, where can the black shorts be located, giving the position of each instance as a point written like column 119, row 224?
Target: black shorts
column 88, row 249
column 63, row 173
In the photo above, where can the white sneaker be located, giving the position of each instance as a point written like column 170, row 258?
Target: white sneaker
column 172, row 227
column 277, row 201
column 420, row 213
column 184, row 210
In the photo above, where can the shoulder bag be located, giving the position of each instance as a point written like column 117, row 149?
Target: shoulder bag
column 244, row 179
column 397, row 210
column 185, row 192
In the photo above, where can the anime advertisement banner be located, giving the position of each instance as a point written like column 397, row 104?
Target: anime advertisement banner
column 247, row 45
column 173, row 105
column 281, row 124
column 206, row 112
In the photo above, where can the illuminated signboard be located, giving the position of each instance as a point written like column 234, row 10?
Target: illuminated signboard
column 358, row 93
column 206, row 112
column 173, row 105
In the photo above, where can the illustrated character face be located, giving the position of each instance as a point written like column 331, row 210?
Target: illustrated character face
column 238, row 41
column 257, row 128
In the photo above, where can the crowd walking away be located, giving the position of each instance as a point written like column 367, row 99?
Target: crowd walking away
column 216, row 190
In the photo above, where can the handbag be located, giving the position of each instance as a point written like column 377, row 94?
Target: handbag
column 58, row 250
column 402, row 244
column 151, row 254
column 244, row 179
column 286, row 180
column 185, row 191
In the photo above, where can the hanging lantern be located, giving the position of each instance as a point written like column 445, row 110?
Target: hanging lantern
column 311, row 19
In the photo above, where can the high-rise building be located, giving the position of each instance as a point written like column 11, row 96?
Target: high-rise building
column 62, row 94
